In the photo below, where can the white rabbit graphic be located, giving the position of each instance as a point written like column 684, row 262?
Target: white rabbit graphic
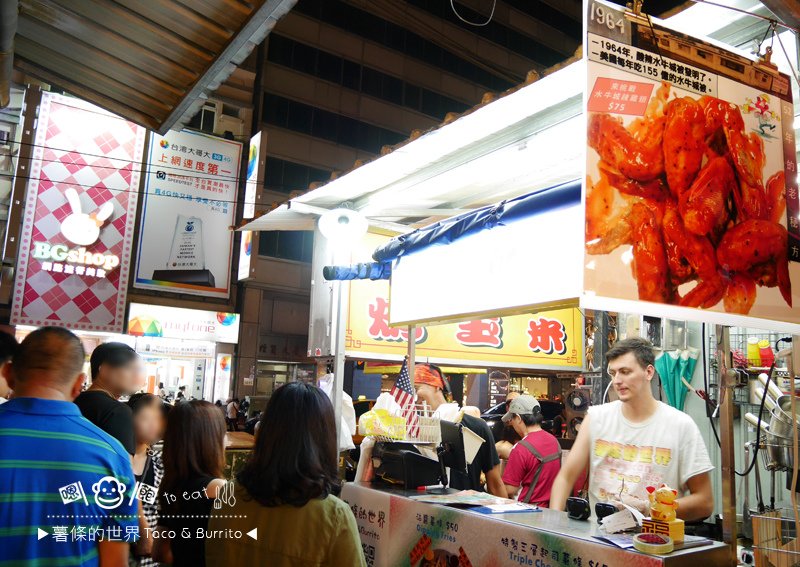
column 80, row 228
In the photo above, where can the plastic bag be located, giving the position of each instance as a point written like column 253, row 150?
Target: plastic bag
column 348, row 415
column 365, row 471
column 387, row 402
column 381, row 422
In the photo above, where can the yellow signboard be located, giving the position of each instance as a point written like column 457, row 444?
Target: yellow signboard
column 548, row 339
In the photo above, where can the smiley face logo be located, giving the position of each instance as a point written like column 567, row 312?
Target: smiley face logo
column 108, row 492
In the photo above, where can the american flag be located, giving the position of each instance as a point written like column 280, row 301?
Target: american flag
column 402, row 392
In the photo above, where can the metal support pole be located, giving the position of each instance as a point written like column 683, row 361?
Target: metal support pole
column 412, row 352
column 727, row 383
column 601, row 346
column 338, row 356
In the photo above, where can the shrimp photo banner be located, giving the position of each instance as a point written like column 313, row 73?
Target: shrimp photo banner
column 691, row 179
column 80, row 209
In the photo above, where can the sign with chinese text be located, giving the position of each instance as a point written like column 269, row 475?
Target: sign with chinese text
column 75, row 243
column 691, row 181
column 397, row 531
column 157, row 346
column 185, row 242
column 178, row 323
column 549, row 339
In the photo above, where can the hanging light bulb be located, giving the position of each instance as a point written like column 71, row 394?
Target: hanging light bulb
column 342, row 223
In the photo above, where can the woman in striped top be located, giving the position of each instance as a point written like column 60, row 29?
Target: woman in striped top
column 148, row 425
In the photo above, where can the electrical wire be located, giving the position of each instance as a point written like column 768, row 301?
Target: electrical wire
column 761, row 410
column 486, row 23
column 788, row 60
column 118, row 191
column 705, row 385
column 131, row 162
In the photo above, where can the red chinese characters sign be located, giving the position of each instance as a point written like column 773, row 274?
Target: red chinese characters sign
column 539, row 340
column 76, row 238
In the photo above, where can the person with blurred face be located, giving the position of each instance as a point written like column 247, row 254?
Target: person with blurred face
column 8, row 346
column 116, row 371
column 148, row 468
column 636, row 442
column 510, row 437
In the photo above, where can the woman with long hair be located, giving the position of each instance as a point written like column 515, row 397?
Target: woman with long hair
column 287, row 490
column 148, row 469
column 194, row 458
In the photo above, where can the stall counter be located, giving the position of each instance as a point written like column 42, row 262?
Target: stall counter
column 396, row 531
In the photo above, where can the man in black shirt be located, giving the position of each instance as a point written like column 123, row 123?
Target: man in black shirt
column 116, row 371
column 430, row 385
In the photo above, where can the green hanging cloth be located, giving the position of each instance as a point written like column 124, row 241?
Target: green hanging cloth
column 674, row 367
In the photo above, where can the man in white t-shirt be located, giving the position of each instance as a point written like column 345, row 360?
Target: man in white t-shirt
column 636, row 442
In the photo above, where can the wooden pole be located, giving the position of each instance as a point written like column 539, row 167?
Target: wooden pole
column 727, row 376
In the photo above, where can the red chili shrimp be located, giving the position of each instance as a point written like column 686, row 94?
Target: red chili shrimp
column 703, row 207
column 758, row 248
column 649, row 257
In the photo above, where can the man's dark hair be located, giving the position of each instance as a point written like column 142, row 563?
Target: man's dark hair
column 141, row 400
column 642, row 349
column 114, row 355
column 532, row 419
column 8, row 346
column 52, row 350
column 295, row 454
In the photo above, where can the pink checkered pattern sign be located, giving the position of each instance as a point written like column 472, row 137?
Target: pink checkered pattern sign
column 80, row 209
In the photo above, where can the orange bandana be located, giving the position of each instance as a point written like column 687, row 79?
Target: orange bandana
column 424, row 374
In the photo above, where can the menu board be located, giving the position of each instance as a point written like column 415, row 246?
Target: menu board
column 691, row 178
column 498, row 389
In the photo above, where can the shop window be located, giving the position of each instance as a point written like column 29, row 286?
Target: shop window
column 413, row 96
column 329, row 67
column 204, row 119
column 300, row 117
column 286, row 176
column 348, row 131
column 393, row 36
column 304, row 58
column 276, row 110
column 279, row 50
column 351, row 75
column 292, row 245
column 325, row 125
column 392, row 89
column 369, row 81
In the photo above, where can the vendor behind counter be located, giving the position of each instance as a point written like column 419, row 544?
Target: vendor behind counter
column 431, row 386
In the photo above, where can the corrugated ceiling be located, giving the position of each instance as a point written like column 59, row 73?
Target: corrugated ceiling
column 150, row 61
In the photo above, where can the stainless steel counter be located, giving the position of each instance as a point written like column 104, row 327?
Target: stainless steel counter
column 544, row 539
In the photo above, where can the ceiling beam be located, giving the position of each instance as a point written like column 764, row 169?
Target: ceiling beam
column 787, row 11
column 217, row 68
